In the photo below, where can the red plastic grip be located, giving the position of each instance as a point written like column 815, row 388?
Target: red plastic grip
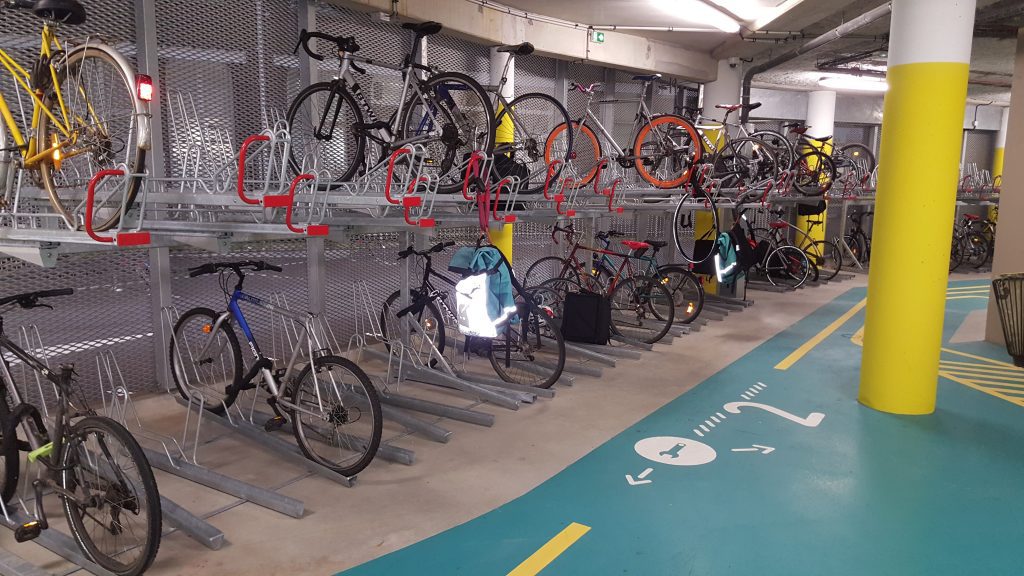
column 242, row 153
column 547, row 180
column 391, row 173
column 291, row 203
column 90, row 196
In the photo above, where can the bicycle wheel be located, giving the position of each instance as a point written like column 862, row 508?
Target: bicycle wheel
column 695, row 227
column 815, row 173
column 103, row 120
column 10, row 461
column 665, row 151
column 584, row 150
column 338, row 419
column 451, row 117
column 956, row 253
column 555, row 291
column 977, row 251
column 523, row 131
column 787, row 266
column 827, row 256
column 641, row 309
column 531, row 351
column 431, row 324
column 745, row 161
column 322, row 123
column 549, row 267
column 687, row 292
column 780, row 146
column 112, row 504
column 860, row 157
column 204, row 364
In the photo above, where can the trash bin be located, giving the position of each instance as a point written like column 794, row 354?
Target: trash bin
column 1009, row 291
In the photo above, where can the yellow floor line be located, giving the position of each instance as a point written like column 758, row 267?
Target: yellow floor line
column 982, row 358
column 806, row 347
column 991, row 392
column 984, row 372
column 858, row 337
column 985, row 365
column 548, row 552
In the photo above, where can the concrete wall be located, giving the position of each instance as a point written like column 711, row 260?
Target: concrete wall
column 489, row 26
column 1009, row 255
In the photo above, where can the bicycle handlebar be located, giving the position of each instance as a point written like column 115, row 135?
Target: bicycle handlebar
column 585, row 90
column 344, row 44
column 24, row 4
column 236, row 267
column 440, row 246
column 30, row 299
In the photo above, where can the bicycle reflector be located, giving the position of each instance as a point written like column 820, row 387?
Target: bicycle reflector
column 207, row 328
column 144, row 85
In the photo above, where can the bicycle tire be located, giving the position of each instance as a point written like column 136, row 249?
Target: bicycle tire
column 216, row 395
column 364, row 447
column 528, row 147
column 780, row 145
column 745, row 162
column 687, row 292
column 429, row 319
column 787, row 266
column 684, row 221
column 814, row 178
column 11, row 465
column 534, row 357
column 585, row 152
column 956, row 253
column 861, row 156
column 545, row 265
column 559, row 287
column 636, row 296
column 107, row 429
column 342, row 162
column 828, row 258
column 678, row 153
column 449, row 157
column 77, row 169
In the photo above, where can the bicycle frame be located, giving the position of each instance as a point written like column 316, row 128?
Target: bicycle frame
column 7, row 379
column 642, row 117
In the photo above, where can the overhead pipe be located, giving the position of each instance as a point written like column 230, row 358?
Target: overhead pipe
column 834, row 34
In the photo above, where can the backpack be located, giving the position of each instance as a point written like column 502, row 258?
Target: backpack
column 727, row 268
column 483, row 298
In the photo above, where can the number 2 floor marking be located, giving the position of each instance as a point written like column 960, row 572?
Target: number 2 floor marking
column 811, row 421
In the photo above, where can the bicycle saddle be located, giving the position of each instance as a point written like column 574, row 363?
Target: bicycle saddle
column 656, row 243
column 819, row 139
column 647, row 77
column 63, row 11
column 777, row 225
column 423, row 28
column 634, row 245
column 973, row 217
column 524, row 49
column 735, row 107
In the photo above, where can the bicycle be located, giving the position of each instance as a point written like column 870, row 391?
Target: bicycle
column 448, row 113
column 853, row 162
column 95, row 466
column 969, row 245
column 642, row 308
column 826, row 258
column 722, row 136
column 685, row 288
column 335, row 410
column 529, row 350
column 783, row 264
column 858, row 244
column 815, row 170
column 664, row 147
column 90, row 112
column 524, row 125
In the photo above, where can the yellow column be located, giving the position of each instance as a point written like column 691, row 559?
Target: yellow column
column 929, row 55
column 703, row 221
column 500, row 235
column 821, row 122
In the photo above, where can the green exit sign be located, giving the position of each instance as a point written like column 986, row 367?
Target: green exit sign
column 597, row 36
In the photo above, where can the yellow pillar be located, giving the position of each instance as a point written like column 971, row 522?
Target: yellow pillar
column 703, row 221
column 499, row 234
column 821, row 122
column 929, row 55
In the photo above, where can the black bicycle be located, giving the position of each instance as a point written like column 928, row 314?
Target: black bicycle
column 93, row 463
column 447, row 113
column 529, row 349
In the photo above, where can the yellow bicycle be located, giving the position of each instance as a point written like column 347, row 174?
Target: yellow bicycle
column 86, row 110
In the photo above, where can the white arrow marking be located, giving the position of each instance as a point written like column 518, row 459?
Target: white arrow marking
column 811, row 421
column 640, row 478
column 756, row 448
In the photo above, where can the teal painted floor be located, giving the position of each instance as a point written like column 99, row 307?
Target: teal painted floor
column 777, row 488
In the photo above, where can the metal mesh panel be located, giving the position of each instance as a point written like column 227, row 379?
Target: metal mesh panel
column 663, row 99
column 366, row 259
column 535, row 74
column 585, row 74
column 234, row 58
column 112, row 22
column 109, row 310
column 980, row 147
column 624, row 113
column 458, row 55
column 853, row 134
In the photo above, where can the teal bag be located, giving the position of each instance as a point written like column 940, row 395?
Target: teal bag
column 726, row 267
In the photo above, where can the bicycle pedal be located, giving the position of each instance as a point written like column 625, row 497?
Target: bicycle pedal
column 29, row 531
column 274, row 424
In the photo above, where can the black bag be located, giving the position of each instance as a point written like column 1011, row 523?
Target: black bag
column 811, row 209
column 707, row 267
column 586, row 318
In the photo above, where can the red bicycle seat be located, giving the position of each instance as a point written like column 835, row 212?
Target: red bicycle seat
column 634, row 245
column 974, row 217
column 778, row 225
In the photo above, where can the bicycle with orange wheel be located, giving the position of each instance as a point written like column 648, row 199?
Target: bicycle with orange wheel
column 663, row 148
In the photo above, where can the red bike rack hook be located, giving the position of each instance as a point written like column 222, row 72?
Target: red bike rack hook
column 391, row 173
column 243, row 152
column 123, row 238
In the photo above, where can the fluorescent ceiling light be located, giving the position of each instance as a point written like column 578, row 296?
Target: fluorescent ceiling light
column 848, row 82
column 699, row 13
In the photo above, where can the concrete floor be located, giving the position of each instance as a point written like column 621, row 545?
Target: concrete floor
column 478, row 470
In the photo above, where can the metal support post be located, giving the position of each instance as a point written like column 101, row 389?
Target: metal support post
column 607, row 111
column 148, row 62
column 316, row 273
column 306, row 20
column 561, row 81
column 160, row 298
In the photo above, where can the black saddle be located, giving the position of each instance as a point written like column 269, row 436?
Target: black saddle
column 524, row 49
column 657, row 243
column 63, row 11
column 647, row 77
column 422, row 29
column 821, row 139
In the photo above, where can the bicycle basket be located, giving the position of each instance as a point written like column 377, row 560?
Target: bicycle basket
column 1009, row 292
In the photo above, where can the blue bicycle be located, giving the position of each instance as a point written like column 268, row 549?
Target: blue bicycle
column 334, row 409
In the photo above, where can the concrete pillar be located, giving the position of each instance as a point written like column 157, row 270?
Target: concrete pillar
column 501, row 234
column 1009, row 257
column 821, row 119
column 724, row 90
column 997, row 158
column 929, row 56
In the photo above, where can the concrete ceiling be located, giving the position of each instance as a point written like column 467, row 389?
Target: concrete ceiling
column 992, row 58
